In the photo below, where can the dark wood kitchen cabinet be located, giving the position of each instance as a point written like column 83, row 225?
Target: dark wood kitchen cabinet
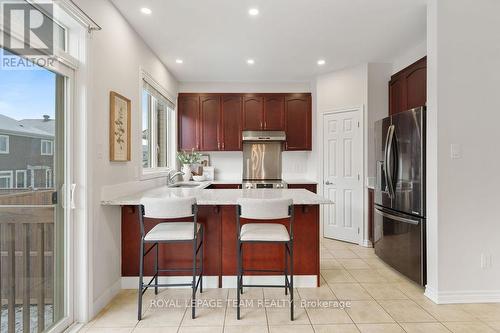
column 408, row 87
column 298, row 121
column 274, row 113
column 188, row 120
column 215, row 121
column 209, row 124
column 253, row 113
column 232, row 123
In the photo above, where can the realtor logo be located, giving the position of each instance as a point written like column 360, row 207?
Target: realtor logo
column 28, row 31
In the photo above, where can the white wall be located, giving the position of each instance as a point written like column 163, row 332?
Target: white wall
column 228, row 165
column 409, row 56
column 361, row 86
column 116, row 55
column 463, row 194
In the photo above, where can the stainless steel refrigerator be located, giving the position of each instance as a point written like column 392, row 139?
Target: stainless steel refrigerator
column 399, row 233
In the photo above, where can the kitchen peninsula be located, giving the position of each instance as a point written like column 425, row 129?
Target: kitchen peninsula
column 217, row 213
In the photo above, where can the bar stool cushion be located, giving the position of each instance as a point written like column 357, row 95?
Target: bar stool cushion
column 168, row 207
column 171, row 231
column 265, row 209
column 264, row 232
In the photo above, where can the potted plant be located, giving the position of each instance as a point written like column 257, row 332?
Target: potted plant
column 187, row 159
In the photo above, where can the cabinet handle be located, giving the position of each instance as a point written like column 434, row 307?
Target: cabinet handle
column 265, row 124
column 261, row 125
column 218, row 145
column 223, row 146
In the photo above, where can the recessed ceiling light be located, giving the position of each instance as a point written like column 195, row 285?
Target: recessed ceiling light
column 321, row 62
column 146, row 11
column 179, row 61
column 250, row 61
column 253, row 11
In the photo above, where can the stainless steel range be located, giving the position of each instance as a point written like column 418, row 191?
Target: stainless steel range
column 262, row 159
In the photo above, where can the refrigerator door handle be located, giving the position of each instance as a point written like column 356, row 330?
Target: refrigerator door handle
column 395, row 217
column 388, row 165
column 385, row 160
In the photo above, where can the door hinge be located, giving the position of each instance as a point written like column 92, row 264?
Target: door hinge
column 359, row 177
column 358, row 123
column 358, row 230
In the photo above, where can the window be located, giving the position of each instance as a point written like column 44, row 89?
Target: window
column 6, row 179
column 48, row 178
column 20, row 178
column 47, row 147
column 157, row 131
column 4, row 144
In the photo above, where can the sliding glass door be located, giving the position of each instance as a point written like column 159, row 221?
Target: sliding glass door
column 35, row 198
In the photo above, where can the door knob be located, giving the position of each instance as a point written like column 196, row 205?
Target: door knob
column 327, row 182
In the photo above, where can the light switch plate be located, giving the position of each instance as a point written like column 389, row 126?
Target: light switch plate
column 456, row 151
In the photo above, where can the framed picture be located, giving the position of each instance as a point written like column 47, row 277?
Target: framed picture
column 119, row 128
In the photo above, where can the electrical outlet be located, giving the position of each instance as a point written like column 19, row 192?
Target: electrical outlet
column 486, row 261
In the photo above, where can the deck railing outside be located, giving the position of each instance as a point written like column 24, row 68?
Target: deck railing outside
column 26, row 260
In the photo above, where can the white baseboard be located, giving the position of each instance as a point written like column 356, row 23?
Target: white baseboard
column 455, row 297
column 105, row 298
column 132, row 282
column 366, row 243
column 299, row 281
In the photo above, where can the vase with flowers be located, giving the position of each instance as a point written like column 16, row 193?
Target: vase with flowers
column 187, row 159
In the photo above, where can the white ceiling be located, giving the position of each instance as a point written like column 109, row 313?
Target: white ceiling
column 215, row 38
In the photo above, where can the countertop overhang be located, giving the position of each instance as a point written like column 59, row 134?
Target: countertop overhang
column 220, row 196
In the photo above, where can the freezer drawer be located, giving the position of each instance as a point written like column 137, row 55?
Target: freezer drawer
column 400, row 242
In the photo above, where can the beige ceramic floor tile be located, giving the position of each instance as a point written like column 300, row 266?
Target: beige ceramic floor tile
column 390, row 274
column 277, row 293
column 468, row 327
column 353, row 263
column 330, row 264
column 319, row 316
column 205, row 316
column 202, row 329
column 246, row 329
column 281, row 316
column 291, row 329
column 321, row 293
column 333, row 244
column 163, row 317
column 163, row 329
column 350, row 292
column 344, row 254
column 340, row 328
column 384, row 291
column 118, row 315
column 375, row 263
column 367, row 275
column 424, row 328
column 253, row 315
column 406, row 311
column 110, row 330
column 248, row 293
column 380, row 328
column 325, row 254
column 368, row 312
column 487, row 312
column 494, row 325
column 447, row 312
column 337, row 276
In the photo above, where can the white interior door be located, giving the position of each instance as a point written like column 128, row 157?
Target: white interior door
column 342, row 175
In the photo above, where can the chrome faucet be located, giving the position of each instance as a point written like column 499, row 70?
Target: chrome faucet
column 170, row 176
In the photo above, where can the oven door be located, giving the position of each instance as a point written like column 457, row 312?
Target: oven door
column 400, row 242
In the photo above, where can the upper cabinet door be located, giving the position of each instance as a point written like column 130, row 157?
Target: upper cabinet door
column 298, row 122
column 408, row 87
column 416, row 85
column 253, row 113
column 274, row 113
column 396, row 98
column 209, row 123
column 232, row 122
column 189, row 115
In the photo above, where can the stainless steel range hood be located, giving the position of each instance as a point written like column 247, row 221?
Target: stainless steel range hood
column 264, row 136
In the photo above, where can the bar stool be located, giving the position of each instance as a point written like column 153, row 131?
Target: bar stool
column 170, row 232
column 260, row 232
